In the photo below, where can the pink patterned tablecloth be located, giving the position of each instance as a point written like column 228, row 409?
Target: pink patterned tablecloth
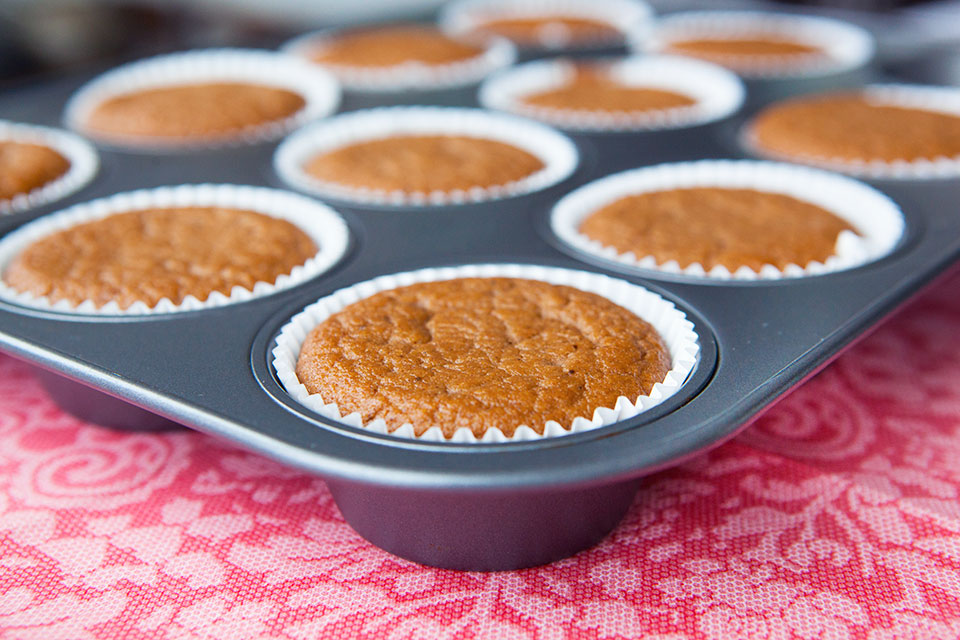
column 835, row 516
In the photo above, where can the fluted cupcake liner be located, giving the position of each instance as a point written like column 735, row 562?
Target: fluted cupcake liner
column 630, row 17
column 928, row 98
column 845, row 46
column 718, row 93
column 672, row 324
column 81, row 155
column 323, row 225
column 557, row 153
column 411, row 75
column 319, row 89
column 877, row 219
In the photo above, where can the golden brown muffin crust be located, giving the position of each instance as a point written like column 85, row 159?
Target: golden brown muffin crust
column 424, row 164
column 594, row 89
column 192, row 110
column 25, row 167
column 390, row 46
column 535, row 30
column 715, row 226
column 851, row 126
column 746, row 50
column 153, row 254
column 481, row 353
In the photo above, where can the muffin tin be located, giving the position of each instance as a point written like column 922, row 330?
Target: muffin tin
column 461, row 506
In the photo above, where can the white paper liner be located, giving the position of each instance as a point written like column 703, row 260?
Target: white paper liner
column 876, row 217
column 631, row 17
column 846, row 46
column 411, row 75
column 78, row 152
column 718, row 93
column 929, row 98
column 321, row 223
column 319, row 89
column 558, row 154
column 672, row 324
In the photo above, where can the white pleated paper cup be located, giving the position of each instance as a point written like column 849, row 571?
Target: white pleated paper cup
column 557, row 153
column 496, row 53
column 717, row 93
column 845, row 46
column 81, row 155
column 322, row 224
column 319, row 90
column 676, row 331
column 878, row 220
column 928, row 98
column 632, row 18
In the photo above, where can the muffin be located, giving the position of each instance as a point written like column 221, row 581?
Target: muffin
column 485, row 353
column 402, row 57
column 730, row 219
column 763, row 45
column 149, row 255
column 169, row 249
column 203, row 98
column 25, row 167
column 424, row 155
column 616, row 94
column 557, row 24
column 192, row 111
column 424, row 164
column 713, row 227
column 40, row 164
column 882, row 131
column 481, row 353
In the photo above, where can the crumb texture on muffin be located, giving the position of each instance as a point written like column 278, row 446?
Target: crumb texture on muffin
column 853, row 127
column 413, row 163
column 152, row 254
column 717, row 226
column 187, row 111
column 551, row 29
column 25, row 167
column 594, row 89
column 481, row 353
column 390, row 46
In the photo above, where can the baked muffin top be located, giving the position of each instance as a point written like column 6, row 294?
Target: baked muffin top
column 717, row 226
column 594, row 88
column 415, row 163
column 151, row 254
column 746, row 50
column 481, row 353
column 192, row 111
column 851, row 126
column 551, row 30
column 25, row 167
column 391, row 46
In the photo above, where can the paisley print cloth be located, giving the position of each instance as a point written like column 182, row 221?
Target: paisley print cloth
column 835, row 516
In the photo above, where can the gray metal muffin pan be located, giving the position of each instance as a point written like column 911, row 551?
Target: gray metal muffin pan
column 479, row 507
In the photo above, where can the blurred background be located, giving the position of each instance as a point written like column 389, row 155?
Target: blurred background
column 919, row 40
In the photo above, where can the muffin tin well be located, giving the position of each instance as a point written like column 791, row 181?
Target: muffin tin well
column 481, row 506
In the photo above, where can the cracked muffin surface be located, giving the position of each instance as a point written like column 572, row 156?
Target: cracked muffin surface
column 481, row 353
